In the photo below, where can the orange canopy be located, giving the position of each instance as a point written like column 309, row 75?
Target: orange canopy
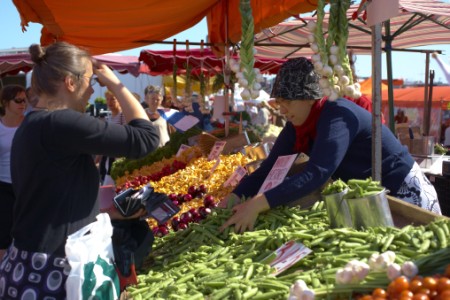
column 105, row 26
column 413, row 96
column 366, row 86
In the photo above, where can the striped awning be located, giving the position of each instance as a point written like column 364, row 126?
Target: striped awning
column 419, row 23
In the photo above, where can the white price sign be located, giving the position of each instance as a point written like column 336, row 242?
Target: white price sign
column 216, row 150
column 278, row 172
column 235, row 177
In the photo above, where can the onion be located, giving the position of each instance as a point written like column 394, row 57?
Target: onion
column 327, row 71
column 318, row 66
column 315, row 58
column 259, row 78
column 324, row 83
column 311, row 26
column 254, row 93
column 333, row 59
column 314, row 48
column 311, row 38
column 338, row 69
column 393, row 271
column 409, row 269
column 243, row 82
column 334, row 49
column 333, row 96
column 239, row 75
column 344, row 80
column 257, row 86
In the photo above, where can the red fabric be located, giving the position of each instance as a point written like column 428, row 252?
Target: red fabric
column 308, row 130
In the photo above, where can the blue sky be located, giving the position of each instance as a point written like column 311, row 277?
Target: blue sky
column 409, row 66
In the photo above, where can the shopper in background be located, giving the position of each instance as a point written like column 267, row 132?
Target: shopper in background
column 337, row 137
column 54, row 177
column 154, row 98
column 12, row 107
column 116, row 117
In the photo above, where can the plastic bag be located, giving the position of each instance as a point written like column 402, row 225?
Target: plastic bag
column 90, row 254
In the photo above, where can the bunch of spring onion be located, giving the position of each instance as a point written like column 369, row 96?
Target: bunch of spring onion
column 249, row 78
column 330, row 59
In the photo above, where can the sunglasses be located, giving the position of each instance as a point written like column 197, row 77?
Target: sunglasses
column 92, row 80
column 19, row 100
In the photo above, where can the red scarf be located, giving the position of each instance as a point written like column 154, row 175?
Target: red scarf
column 307, row 132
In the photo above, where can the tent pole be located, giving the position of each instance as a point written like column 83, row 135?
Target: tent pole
column 388, row 50
column 226, row 74
column 376, row 102
column 426, row 111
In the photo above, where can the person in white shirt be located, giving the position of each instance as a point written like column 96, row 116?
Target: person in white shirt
column 153, row 98
column 13, row 103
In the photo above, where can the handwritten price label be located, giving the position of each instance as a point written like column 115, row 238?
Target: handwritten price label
column 235, row 177
column 286, row 256
column 181, row 149
column 278, row 172
column 216, row 150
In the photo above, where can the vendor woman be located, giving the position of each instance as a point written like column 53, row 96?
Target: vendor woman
column 337, row 137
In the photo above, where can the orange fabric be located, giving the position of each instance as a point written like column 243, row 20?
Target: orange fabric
column 266, row 13
column 366, row 86
column 106, row 26
column 413, row 96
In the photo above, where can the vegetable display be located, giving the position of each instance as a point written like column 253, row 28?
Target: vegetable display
column 202, row 263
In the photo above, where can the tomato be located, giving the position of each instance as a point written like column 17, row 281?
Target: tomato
column 400, row 284
column 415, row 285
column 420, row 296
column 445, row 295
column 424, row 291
column 430, row 283
column 366, row 297
column 447, row 271
column 443, row 284
column 406, row 294
column 379, row 293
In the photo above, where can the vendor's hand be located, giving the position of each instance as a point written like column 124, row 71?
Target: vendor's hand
column 245, row 214
column 231, row 199
column 115, row 214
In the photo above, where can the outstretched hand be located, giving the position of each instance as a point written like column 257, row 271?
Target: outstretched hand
column 245, row 214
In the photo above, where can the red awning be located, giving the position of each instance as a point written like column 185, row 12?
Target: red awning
column 162, row 62
column 14, row 63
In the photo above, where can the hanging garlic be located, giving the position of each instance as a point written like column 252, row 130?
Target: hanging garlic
column 315, row 58
column 245, row 94
column 311, row 38
column 257, row 86
column 344, row 80
column 333, row 96
column 338, row 70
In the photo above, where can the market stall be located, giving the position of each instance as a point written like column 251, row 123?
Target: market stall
column 193, row 259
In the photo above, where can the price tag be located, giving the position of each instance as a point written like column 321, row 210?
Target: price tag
column 186, row 123
column 182, row 148
column 235, row 177
column 286, row 256
column 216, row 150
column 278, row 172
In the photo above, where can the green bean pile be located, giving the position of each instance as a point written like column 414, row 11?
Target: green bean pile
column 202, row 263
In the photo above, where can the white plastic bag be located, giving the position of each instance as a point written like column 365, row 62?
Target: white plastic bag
column 90, row 254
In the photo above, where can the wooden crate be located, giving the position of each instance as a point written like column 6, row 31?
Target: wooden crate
column 404, row 213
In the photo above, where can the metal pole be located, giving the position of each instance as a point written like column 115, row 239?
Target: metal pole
column 426, row 111
column 388, row 50
column 376, row 102
column 226, row 74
